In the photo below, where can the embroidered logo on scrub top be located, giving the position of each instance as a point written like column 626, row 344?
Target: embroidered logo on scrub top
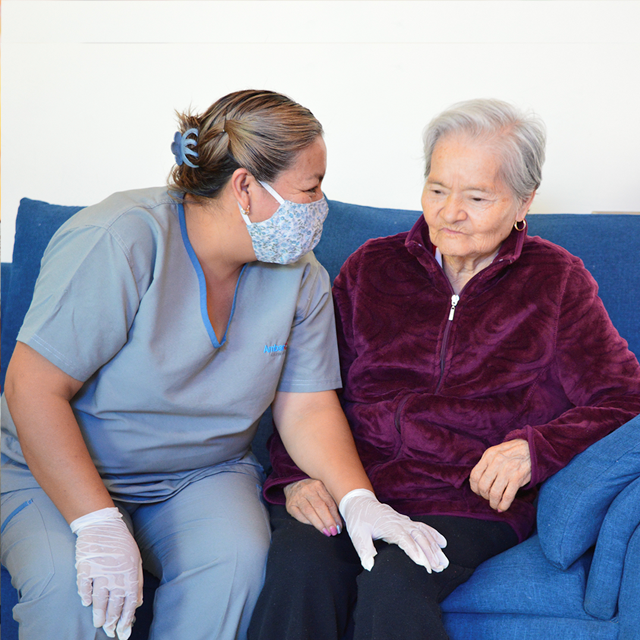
column 275, row 350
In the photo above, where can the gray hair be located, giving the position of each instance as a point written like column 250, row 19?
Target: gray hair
column 519, row 137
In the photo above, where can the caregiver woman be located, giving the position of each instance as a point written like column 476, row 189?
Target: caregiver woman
column 476, row 362
column 164, row 322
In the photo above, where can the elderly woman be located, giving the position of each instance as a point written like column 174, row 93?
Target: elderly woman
column 476, row 362
column 164, row 322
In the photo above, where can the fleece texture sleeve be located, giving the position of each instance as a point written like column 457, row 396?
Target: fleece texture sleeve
column 598, row 373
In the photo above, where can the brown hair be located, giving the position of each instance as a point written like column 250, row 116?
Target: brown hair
column 261, row 131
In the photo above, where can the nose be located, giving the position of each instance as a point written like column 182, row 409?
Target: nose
column 453, row 209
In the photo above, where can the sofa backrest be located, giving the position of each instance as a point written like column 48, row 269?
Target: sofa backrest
column 609, row 245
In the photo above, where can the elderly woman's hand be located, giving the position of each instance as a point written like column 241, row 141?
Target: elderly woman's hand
column 502, row 470
column 309, row 502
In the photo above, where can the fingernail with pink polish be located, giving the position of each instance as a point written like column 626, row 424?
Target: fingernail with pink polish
column 326, row 533
column 334, row 531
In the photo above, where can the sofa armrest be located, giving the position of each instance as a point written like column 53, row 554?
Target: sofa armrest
column 629, row 614
column 608, row 565
column 574, row 502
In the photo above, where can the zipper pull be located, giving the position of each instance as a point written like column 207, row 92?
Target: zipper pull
column 454, row 301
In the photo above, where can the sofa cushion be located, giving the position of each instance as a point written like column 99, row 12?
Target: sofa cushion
column 521, row 581
column 573, row 503
column 499, row 626
column 35, row 224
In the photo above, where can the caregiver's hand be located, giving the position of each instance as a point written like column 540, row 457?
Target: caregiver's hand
column 309, row 502
column 502, row 470
column 109, row 570
column 368, row 520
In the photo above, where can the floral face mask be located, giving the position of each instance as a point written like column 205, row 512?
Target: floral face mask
column 293, row 230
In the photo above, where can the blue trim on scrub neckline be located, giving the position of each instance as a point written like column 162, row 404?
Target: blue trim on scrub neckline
column 203, row 283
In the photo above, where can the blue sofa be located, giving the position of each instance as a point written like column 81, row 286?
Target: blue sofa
column 578, row 576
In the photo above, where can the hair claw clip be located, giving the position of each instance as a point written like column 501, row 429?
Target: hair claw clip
column 180, row 147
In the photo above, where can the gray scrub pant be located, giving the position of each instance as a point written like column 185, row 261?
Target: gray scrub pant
column 207, row 544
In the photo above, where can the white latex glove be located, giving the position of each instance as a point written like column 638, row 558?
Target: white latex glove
column 109, row 570
column 367, row 520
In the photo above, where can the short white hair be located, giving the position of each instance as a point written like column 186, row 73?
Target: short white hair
column 519, row 138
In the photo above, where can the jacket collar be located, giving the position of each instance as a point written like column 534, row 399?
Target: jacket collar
column 419, row 245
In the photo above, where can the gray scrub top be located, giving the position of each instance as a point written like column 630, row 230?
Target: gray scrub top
column 120, row 304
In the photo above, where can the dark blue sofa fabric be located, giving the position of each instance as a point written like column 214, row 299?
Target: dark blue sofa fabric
column 520, row 594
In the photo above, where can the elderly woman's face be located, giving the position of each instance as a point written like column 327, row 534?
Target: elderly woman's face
column 468, row 208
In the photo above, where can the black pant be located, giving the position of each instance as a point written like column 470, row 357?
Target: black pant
column 316, row 588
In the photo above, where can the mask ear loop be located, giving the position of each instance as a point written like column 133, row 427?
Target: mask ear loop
column 244, row 213
column 272, row 191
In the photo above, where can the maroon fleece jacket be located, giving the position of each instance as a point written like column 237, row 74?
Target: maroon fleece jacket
column 529, row 352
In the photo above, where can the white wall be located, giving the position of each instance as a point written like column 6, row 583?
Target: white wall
column 89, row 88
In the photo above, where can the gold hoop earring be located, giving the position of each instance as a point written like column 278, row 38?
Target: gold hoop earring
column 522, row 228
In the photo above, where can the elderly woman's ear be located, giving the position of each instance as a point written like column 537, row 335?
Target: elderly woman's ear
column 524, row 209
